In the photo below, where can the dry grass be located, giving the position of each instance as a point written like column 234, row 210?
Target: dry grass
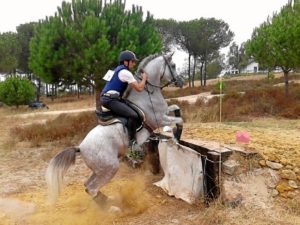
column 63, row 128
column 219, row 214
column 70, row 102
column 242, row 101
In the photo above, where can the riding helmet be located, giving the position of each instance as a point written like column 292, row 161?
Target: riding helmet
column 127, row 56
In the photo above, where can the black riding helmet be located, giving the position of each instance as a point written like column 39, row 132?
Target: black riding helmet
column 127, row 56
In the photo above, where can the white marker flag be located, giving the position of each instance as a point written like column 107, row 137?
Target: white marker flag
column 108, row 75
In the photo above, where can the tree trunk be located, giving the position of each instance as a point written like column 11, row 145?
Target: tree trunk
column 286, row 81
column 47, row 92
column 189, row 70
column 205, row 62
column 205, row 73
column 78, row 91
column 201, row 74
column 194, row 72
column 97, row 98
column 52, row 92
column 38, row 92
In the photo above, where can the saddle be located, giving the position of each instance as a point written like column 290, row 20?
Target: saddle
column 106, row 118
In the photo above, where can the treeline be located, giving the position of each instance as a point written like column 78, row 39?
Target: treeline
column 83, row 39
column 276, row 42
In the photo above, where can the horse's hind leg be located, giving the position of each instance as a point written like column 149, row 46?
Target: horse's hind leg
column 102, row 174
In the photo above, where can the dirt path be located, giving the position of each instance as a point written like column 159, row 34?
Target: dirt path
column 53, row 112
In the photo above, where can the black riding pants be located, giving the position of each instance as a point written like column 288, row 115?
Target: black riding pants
column 120, row 108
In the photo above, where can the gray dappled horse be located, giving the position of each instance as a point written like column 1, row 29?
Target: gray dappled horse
column 103, row 145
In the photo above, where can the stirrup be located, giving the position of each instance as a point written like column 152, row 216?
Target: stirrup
column 131, row 144
column 135, row 147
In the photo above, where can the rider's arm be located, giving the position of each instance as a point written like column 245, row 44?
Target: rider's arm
column 139, row 86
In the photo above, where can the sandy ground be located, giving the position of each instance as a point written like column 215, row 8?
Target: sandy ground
column 23, row 193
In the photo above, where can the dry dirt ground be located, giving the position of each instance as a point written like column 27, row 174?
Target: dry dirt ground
column 23, row 193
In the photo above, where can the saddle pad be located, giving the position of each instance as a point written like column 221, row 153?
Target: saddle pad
column 109, row 122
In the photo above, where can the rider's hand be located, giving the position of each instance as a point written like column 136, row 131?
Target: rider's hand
column 145, row 76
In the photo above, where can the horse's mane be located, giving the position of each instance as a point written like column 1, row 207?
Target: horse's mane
column 141, row 66
column 145, row 61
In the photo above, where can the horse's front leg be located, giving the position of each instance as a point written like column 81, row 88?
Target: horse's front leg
column 174, row 108
column 168, row 120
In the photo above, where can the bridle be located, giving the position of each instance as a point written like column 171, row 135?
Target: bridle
column 166, row 65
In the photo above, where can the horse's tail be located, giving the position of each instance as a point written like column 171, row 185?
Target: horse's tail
column 56, row 170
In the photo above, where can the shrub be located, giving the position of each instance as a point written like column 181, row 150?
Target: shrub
column 16, row 91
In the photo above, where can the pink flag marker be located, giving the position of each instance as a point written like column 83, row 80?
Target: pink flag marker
column 242, row 137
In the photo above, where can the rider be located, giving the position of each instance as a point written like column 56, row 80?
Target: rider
column 111, row 95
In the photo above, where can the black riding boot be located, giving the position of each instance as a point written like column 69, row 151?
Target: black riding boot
column 131, row 132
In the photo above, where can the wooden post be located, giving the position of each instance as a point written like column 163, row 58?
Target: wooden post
column 152, row 155
column 212, row 179
column 178, row 131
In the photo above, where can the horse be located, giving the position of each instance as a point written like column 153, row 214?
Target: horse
column 103, row 145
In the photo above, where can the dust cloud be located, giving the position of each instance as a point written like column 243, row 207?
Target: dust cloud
column 75, row 207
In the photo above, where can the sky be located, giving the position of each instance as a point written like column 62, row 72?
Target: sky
column 242, row 16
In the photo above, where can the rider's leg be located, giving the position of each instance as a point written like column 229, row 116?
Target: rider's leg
column 122, row 109
column 132, row 127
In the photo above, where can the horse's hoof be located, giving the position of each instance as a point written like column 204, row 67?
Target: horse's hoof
column 100, row 199
column 111, row 199
column 114, row 210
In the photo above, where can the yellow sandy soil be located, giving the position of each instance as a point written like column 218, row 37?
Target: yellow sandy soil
column 276, row 140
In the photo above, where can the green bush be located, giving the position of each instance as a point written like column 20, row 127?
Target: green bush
column 15, row 91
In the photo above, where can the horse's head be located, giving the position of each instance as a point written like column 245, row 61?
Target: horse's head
column 169, row 71
column 161, row 70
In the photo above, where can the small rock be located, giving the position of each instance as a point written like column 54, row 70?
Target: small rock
column 176, row 221
column 230, row 166
column 274, row 165
column 272, row 158
column 114, row 209
column 283, row 187
column 289, row 167
column 262, row 162
column 297, row 170
column 293, row 184
column 288, row 174
column 274, row 193
column 284, row 161
column 291, row 194
column 258, row 172
column 284, row 195
column 272, row 178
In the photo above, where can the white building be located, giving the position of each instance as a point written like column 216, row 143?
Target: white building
column 252, row 67
column 2, row 77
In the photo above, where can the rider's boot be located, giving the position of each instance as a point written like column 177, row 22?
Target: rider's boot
column 131, row 133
